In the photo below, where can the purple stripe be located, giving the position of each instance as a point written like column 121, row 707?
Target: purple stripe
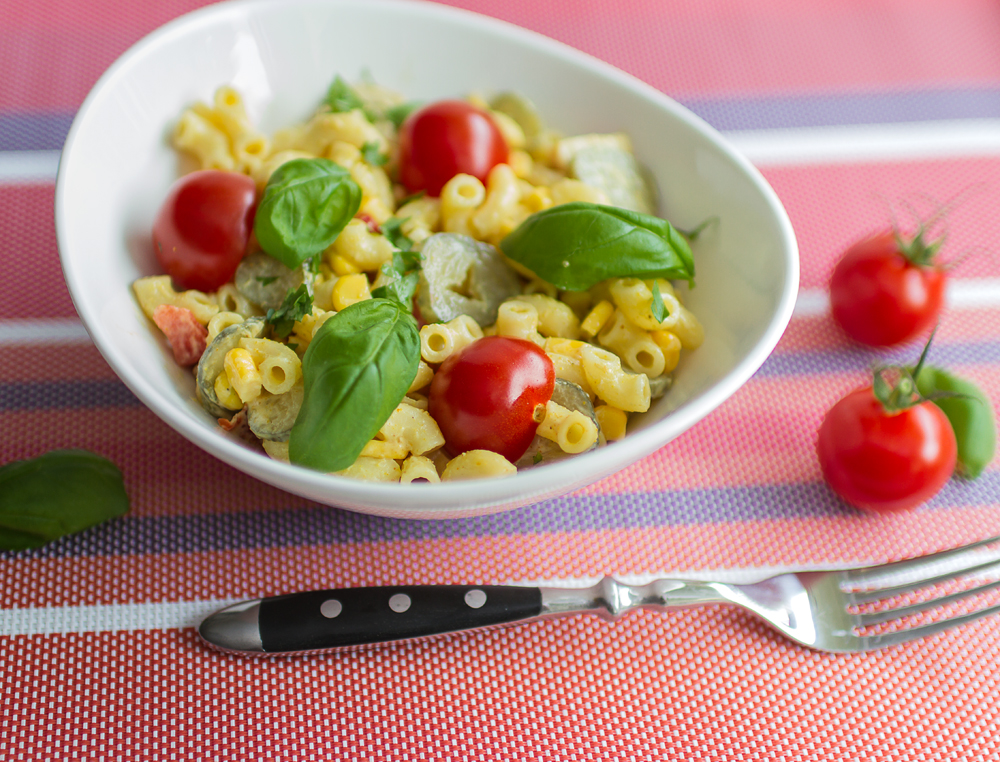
column 65, row 394
column 574, row 513
column 39, row 131
column 778, row 112
column 860, row 359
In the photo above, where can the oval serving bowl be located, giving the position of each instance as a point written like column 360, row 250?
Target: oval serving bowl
column 281, row 55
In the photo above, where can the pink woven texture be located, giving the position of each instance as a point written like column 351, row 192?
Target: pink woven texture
column 740, row 492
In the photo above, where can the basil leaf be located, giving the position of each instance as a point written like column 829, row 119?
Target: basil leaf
column 372, row 155
column 392, row 229
column 575, row 246
column 61, row 492
column 306, row 204
column 658, row 307
column 357, row 368
column 397, row 114
column 297, row 304
column 341, row 96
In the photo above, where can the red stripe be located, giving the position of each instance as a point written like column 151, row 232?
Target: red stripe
column 52, row 53
column 832, row 206
column 651, row 686
column 26, row 363
column 32, row 285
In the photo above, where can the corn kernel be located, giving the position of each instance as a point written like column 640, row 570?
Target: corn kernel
column 594, row 322
column 343, row 266
column 350, row 289
column 612, row 420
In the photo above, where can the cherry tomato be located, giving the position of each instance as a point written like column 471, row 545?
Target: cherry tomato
column 484, row 397
column 202, row 230
column 445, row 139
column 884, row 461
column 885, row 293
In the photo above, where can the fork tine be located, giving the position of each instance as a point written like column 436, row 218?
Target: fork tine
column 921, row 565
column 887, row 615
column 871, row 642
column 881, row 593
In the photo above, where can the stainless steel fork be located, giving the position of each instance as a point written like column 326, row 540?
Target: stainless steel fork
column 845, row 610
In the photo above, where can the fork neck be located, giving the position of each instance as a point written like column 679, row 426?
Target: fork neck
column 610, row 598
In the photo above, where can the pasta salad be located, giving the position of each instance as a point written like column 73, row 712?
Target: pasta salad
column 403, row 292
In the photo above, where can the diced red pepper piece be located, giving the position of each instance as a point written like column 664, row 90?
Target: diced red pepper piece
column 186, row 336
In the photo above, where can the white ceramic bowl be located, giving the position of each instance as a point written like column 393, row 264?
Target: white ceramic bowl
column 281, row 55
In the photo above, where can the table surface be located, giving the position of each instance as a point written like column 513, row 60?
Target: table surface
column 848, row 109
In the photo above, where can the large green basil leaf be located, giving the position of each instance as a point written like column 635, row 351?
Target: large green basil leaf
column 575, row 246
column 55, row 494
column 357, row 368
column 306, row 204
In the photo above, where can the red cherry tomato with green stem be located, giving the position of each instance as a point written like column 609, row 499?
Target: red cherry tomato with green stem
column 484, row 397
column 887, row 290
column 445, row 139
column 885, row 458
column 203, row 228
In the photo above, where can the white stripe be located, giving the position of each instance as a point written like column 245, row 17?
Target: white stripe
column 905, row 141
column 968, row 294
column 109, row 618
column 43, row 331
column 28, row 166
column 167, row 616
column 870, row 142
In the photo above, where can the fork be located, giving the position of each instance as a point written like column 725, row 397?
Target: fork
column 843, row 610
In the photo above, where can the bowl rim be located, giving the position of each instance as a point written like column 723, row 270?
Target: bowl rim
column 452, row 499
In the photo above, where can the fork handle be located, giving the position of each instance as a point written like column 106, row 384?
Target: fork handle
column 610, row 598
column 351, row 618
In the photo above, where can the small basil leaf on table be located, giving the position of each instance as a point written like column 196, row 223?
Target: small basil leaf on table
column 56, row 494
column 357, row 368
column 971, row 415
column 306, row 203
column 575, row 246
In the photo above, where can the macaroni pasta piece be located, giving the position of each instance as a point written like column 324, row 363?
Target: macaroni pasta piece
column 626, row 391
column 633, row 345
column 477, row 464
column 370, row 469
column 157, row 290
column 519, row 320
column 439, row 341
column 419, row 468
column 573, row 431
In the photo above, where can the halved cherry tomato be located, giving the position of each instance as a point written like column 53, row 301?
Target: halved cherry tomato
column 887, row 290
column 885, row 461
column 202, row 230
column 445, row 139
column 484, row 397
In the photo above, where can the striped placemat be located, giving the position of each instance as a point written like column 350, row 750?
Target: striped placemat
column 849, row 109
